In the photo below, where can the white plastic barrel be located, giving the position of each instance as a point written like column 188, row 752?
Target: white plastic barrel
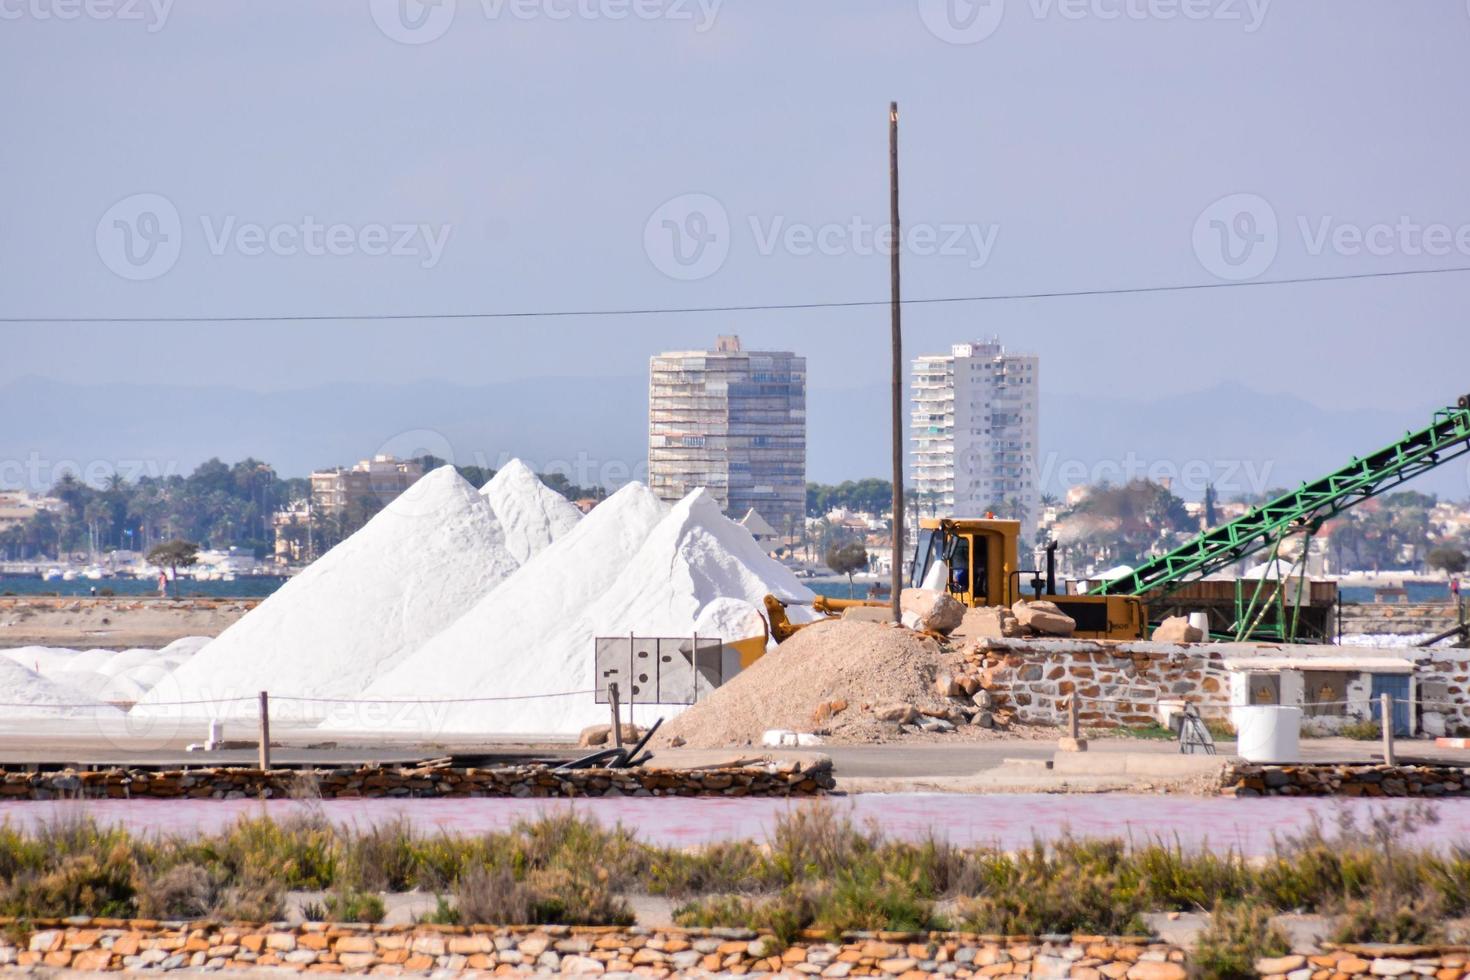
column 1268, row 733
column 1201, row 622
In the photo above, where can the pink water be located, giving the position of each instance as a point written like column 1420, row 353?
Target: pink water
column 1007, row 820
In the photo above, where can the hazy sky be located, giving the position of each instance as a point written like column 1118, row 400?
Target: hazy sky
column 520, row 155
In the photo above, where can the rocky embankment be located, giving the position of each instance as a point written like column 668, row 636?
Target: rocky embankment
column 789, row 778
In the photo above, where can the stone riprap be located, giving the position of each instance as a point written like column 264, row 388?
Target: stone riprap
column 791, row 778
column 1245, row 779
column 118, row 945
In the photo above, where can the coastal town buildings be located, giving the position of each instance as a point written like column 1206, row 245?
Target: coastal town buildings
column 734, row 422
column 19, row 506
column 371, row 484
column 974, row 432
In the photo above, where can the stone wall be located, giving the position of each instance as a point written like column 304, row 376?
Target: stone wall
column 1443, row 675
column 82, row 943
column 1246, row 779
column 1115, row 683
column 791, row 778
column 1369, row 960
column 1125, row 683
column 113, row 944
column 1398, row 618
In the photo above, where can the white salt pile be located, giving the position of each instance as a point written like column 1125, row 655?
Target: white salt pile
column 105, row 675
column 516, row 622
column 354, row 613
column 531, row 514
column 26, row 694
column 531, row 642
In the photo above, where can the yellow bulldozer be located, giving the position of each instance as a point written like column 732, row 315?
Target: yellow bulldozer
column 976, row 560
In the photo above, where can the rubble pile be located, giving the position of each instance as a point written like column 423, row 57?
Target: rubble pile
column 843, row 680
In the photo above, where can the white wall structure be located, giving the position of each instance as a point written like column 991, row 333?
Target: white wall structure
column 974, row 433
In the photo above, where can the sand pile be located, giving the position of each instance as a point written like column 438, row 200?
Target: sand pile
column 867, row 665
column 629, row 566
column 531, row 514
column 354, row 613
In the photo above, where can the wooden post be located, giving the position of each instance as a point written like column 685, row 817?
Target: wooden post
column 265, row 731
column 1385, row 717
column 617, row 722
column 896, row 344
column 1073, row 740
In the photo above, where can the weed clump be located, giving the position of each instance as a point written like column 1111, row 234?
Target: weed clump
column 1239, row 933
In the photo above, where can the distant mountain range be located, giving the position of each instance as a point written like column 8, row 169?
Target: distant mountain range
column 593, row 429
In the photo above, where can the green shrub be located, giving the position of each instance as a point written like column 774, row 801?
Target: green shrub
column 718, row 867
column 382, row 859
column 1239, row 933
column 784, row 914
column 1075, row 886
column 444, row 914
column 813, row 842
column 1172, row 880
column 300, row 851
column 350, row 905
column 1364, row 730
column 79, row 884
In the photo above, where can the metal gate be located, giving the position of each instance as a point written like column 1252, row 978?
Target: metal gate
column 657, row 670
column 1395, row 686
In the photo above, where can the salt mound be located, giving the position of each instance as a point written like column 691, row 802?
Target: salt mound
column 106, row 675
column 495, row 648
column 531, row 514
column 688, row 560
column 355, row 612
column 26, row 694
column 862, row 663
column 42, row 660
column 730, row 619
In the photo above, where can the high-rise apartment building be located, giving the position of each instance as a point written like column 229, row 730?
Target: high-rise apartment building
column 734, row 422
column 974, row 433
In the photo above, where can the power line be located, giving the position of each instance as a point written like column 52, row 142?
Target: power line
column 748, row 308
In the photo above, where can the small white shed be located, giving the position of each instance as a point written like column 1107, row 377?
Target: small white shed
column 1333, row 687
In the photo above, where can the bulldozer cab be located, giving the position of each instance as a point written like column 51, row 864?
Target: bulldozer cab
column 972, row 560
column 976, row 560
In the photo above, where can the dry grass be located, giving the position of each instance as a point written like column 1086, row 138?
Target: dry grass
column 818, row 870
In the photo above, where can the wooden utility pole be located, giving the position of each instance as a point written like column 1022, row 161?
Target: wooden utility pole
column 265, row 731
column 897, row 345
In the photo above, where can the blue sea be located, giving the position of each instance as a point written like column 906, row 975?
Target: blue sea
column 242, row 588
